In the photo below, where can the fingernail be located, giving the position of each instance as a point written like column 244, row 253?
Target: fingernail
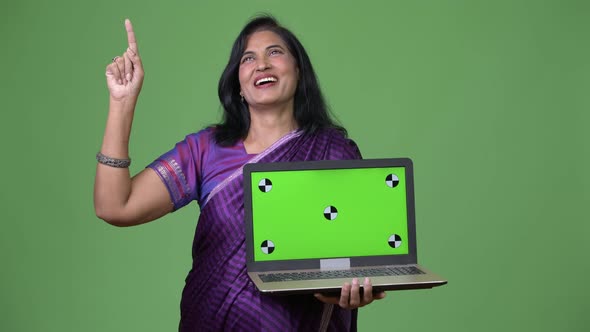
column 367, row 280
column 355, row 281
column 120, row 81
column 109, row 72
column 128, row 77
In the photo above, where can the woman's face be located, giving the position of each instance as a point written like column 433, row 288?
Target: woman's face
column 268, row 72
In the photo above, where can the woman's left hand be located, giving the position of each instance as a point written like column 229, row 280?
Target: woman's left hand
column 351, row 297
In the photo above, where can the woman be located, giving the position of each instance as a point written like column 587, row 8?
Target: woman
column 273, row 111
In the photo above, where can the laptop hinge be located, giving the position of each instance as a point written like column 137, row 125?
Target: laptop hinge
column 336, row 263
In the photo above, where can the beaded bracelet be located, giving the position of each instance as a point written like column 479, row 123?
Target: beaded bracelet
column 113, row 162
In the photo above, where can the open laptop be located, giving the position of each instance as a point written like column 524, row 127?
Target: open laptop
column 311, row 226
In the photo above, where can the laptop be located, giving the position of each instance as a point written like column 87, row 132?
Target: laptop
column 313, row 225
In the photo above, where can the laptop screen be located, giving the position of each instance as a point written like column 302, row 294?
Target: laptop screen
column 328, row 213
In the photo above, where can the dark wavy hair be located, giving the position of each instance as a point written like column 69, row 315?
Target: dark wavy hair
column 310, row 110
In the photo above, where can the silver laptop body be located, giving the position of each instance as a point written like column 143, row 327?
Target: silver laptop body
column 312, row 226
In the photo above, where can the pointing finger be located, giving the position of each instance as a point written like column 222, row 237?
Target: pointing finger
column 131, row 36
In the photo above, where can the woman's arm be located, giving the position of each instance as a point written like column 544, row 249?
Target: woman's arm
column 119, row 199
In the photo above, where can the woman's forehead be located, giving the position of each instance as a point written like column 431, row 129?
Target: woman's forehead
column 263, row 39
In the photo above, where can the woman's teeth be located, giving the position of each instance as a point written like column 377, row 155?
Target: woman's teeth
column 265, row 80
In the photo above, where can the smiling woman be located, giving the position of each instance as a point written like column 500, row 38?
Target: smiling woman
column 268, row 78
column 259, row 43
column 268, row 73
column 273, row 111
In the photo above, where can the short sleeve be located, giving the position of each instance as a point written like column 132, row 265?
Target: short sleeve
column 180, row 169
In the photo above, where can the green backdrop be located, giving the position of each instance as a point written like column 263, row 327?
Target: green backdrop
column 489, row 98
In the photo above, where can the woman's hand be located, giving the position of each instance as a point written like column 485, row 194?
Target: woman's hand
column 351, row 297
column 119, row 199
column 125, row 73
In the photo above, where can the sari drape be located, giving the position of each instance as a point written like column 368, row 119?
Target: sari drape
column 218, row 295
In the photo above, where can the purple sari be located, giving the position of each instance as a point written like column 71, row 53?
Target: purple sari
column 218, row 295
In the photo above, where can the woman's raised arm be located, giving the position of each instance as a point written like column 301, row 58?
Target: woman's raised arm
column 119, row 199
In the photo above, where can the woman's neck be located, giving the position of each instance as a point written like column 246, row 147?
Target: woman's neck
column 267, row 127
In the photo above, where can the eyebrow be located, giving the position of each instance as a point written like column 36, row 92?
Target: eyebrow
column 268, row 47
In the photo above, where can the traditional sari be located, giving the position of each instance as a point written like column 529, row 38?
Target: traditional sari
column 218, row 295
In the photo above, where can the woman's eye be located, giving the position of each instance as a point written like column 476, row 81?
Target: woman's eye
column 247, row 59
column 274, row 52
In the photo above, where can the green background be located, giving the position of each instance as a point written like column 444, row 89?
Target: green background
column 489, row 98
column 291, row 214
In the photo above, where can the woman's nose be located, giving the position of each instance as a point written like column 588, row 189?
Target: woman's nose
column 262, row 64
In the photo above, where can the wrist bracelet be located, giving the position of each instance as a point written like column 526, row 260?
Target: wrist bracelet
column 113, row 162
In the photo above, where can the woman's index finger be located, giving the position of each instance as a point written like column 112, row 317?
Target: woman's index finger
column 130, row 36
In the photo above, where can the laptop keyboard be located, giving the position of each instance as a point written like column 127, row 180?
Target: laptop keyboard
column 332, row 274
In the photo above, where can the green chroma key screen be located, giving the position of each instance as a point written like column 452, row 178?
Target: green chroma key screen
column 332, row 213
